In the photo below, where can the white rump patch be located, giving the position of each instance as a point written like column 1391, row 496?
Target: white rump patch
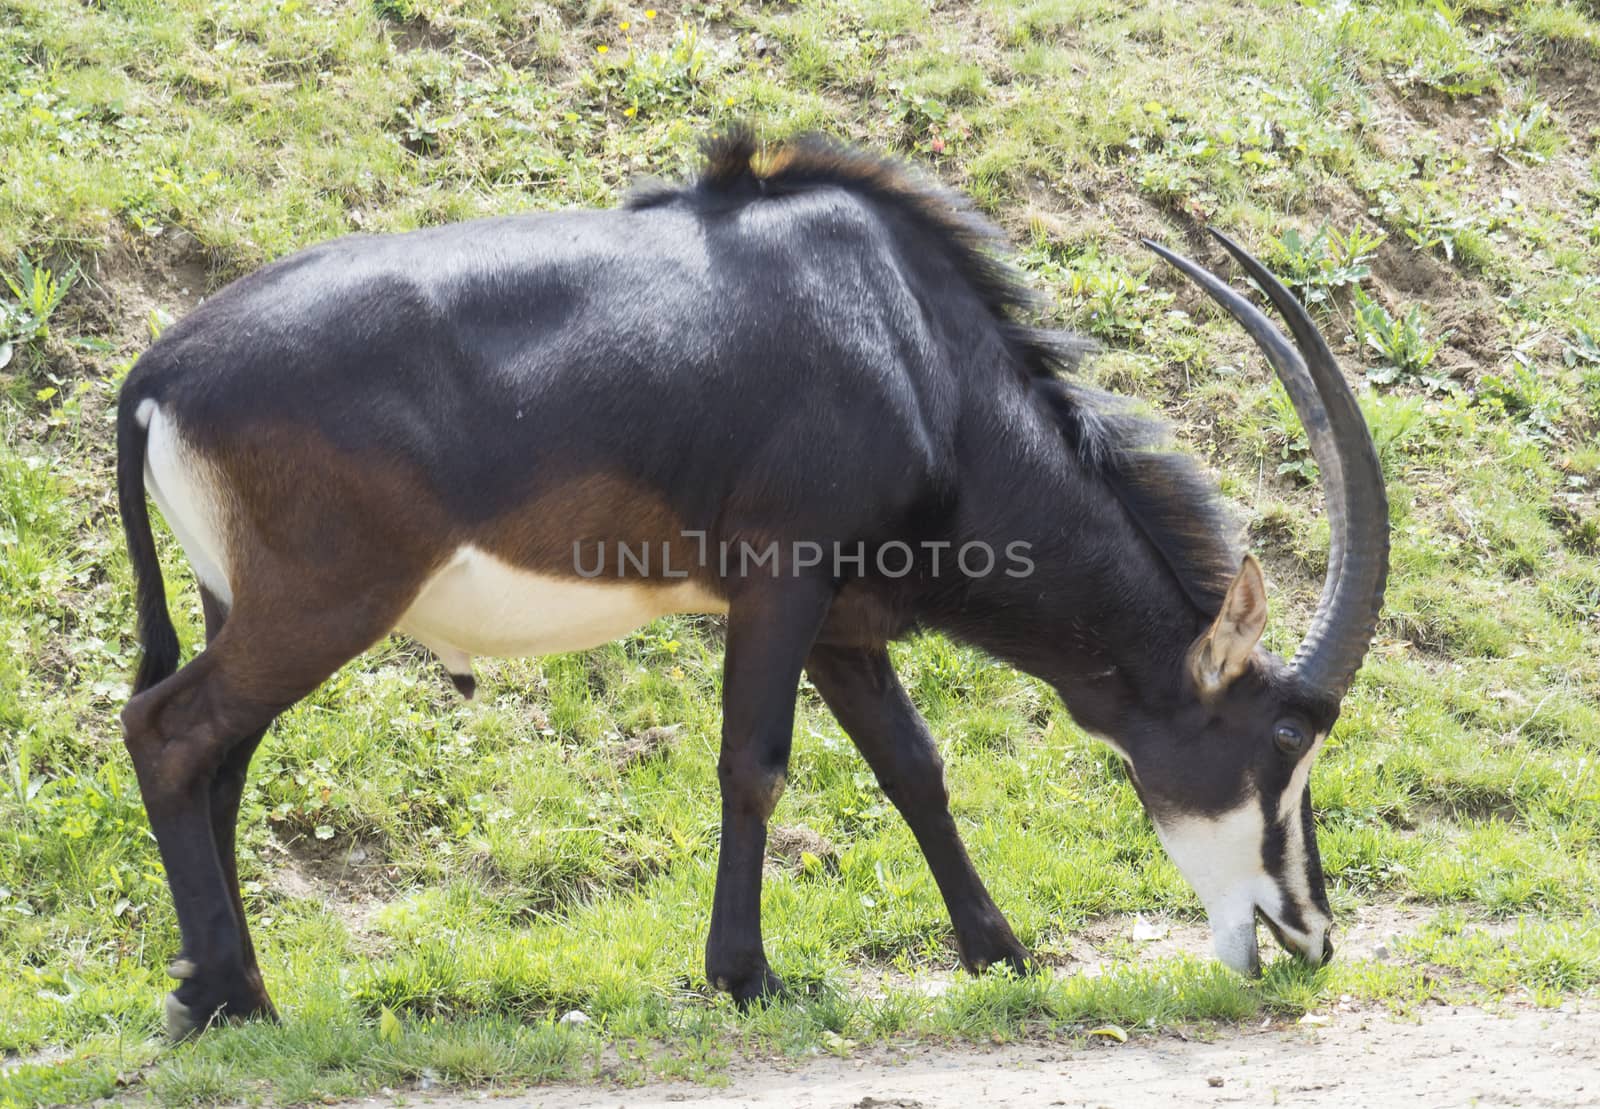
column 478, row 604
column 182, row 485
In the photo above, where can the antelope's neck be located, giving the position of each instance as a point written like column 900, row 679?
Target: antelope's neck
column 1098, row 616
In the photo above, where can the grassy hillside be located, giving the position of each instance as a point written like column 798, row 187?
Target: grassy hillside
column 433, row 884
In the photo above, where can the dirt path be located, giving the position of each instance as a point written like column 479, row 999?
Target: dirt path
column 1452, row 1057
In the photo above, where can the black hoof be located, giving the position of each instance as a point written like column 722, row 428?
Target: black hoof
column 749, row 989
column 187, row 1019
column 982, row 957
column 181, row 1021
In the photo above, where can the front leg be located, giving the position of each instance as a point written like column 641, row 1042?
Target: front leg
column 771, row 625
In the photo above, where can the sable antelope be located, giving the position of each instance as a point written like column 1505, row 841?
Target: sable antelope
column 807, row 352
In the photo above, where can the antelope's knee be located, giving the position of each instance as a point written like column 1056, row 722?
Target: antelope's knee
column 139, row 725
column 172, row 746
column 917, row 780
column 752, row 789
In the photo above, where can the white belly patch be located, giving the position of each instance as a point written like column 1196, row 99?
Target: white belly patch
column 477, row 604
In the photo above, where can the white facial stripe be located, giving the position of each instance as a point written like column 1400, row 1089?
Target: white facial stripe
column 1221, row 858
column 1289, row 803
column 1218, row 855
column 1296, row 878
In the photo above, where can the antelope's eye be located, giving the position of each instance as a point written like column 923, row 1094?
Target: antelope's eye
column 1289, row 739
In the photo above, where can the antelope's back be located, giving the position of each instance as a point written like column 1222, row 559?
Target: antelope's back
column 774, row 347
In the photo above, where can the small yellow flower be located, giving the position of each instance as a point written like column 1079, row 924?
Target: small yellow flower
column 630, row 112
column 730, row 102
column 624, row 25
column 601, row 49
column 649, row 13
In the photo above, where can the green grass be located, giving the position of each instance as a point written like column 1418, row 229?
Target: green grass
column 434, row 885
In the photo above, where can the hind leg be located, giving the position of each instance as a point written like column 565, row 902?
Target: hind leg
column 179, row 734
column 190, row 738
column 227, row 790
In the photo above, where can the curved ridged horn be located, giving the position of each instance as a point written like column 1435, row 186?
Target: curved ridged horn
column 1352, row 480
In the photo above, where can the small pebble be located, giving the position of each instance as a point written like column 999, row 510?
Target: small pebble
column 574, row 1016
column 1214, row 1080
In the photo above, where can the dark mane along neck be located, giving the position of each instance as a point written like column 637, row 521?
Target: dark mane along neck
column 1125, row 535
column 927, row 217
column 1099, row 614
column 1171, row 503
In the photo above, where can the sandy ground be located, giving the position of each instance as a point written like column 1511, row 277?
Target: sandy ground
column 1447, row 1057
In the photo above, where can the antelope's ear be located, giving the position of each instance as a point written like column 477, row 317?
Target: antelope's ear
column 1222, row 653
